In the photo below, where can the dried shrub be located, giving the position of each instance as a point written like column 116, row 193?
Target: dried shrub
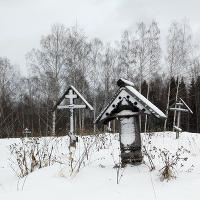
column 171, row 162
column 150, row 156
column 149, row 151
column 31, row 154
column 81, row 156
column 77, row 160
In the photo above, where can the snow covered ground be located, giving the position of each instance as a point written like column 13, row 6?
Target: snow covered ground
column 97, row 179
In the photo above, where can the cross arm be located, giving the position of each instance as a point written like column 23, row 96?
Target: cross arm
column 179, row 109
column 71, row 106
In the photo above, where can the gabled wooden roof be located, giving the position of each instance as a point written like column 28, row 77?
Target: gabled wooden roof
column 132, row 95
column 77, row 93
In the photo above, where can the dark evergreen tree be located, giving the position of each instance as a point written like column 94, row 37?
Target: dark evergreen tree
column 197, row 93
column 172, row 100
column 192, row 104
column 183, row 95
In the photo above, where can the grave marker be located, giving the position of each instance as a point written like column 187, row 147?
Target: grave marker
column 179, row 106
column 26, row 132
column 72, row 94
column 126, row 105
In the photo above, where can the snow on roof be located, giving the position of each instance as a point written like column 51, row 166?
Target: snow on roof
column 134, row 96
column 79, row 95
column 123, row 82
column 104, row 110
column 146, row 101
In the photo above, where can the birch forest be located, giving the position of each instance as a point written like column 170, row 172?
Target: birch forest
column 163, row 69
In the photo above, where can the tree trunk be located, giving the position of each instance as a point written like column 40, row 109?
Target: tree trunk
column 47, row 121
column 167, row 108
column 83, row 120
column 140, row 90
column 54, row 121
column 39, row 121
column 174, row 121
column 94, row 113
column 79, row 118
column 146, row 117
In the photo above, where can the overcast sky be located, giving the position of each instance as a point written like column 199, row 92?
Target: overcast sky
column 23, row 22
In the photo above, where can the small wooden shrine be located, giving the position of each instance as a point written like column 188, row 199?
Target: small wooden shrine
column 179, row 106
column 72, row 93
column 126, row 105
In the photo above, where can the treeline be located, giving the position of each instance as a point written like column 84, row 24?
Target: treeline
column 67, row 57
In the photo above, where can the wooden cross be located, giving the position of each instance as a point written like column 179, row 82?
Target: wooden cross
column 179, row 108
column 71, row 96
column 72, row 93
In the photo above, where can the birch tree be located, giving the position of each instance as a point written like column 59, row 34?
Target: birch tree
column 178, row 56
column 127, row 56
column 78, row 65
column 148, row 53
column 108, row 66
column 48, row 63
column 95, row 65
column 8, row 93
column 154, row 56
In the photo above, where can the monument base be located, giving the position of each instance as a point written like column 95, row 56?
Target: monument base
column 130, row 140
column 133, row 156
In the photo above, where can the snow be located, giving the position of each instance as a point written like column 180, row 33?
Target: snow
column 77, row 93
column 126, row 82
column 134, row 97
column 127, row 127
column 115, row 100
column 97, row 178
column 127, row 131
column 158, row 112
column 178, row 129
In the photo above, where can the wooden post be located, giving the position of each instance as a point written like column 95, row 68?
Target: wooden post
column 178, row 121
column 72, row 93
column 71, row 96
column 178, row 109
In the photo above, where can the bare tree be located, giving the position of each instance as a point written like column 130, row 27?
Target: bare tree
column 147, row 54
column 96, row 60
column 142, row 55
column 108, row 66
column 78, row 65
column 127, row 56
column 8, row 93
column 154, row 50
column 178, row 56
column 49, row 61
